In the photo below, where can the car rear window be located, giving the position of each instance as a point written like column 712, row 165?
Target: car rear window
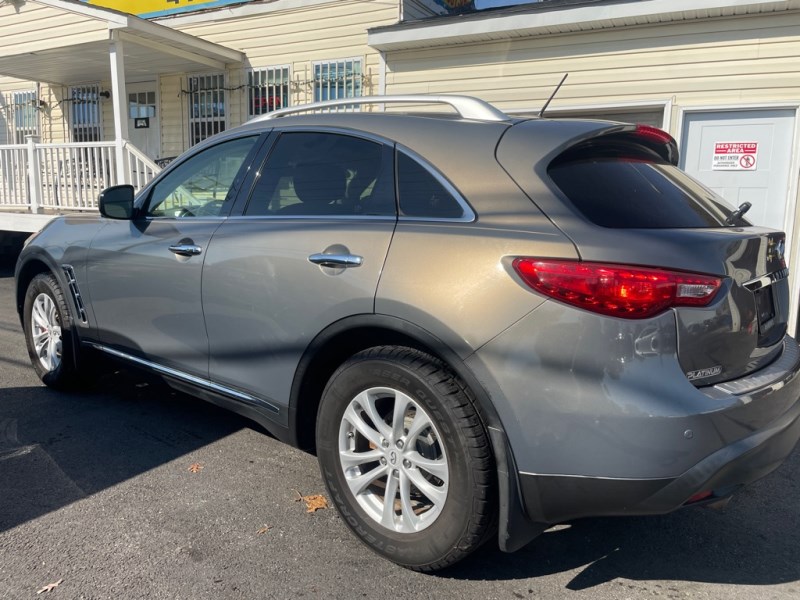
column 627, row 192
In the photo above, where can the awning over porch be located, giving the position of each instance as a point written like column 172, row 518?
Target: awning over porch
column 66, row 42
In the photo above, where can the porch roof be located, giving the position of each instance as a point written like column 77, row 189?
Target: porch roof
column 82, row 55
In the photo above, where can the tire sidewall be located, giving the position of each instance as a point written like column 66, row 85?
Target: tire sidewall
column 61, row 375
column 438, row 539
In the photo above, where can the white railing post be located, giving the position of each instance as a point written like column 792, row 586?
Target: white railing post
column 34, row 175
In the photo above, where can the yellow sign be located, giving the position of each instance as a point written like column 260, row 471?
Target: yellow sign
column 159, row 8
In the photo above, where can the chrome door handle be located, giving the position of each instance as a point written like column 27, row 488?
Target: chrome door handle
column 185, row 249
column 336, row 261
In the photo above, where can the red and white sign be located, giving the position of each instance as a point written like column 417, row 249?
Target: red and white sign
column 735, row 156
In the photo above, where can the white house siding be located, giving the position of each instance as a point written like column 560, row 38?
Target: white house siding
column 710, row 62
column 295, row 36
column 63, row 28
column 21, row 32
column 174, row 137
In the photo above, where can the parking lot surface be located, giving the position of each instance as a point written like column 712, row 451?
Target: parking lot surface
column 130, row 490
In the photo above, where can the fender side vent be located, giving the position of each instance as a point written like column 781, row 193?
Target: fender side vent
column 76, row 294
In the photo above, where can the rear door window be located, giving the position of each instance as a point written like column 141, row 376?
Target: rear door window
column 631, row 192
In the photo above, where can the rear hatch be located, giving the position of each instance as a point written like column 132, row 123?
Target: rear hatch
column 616, row 192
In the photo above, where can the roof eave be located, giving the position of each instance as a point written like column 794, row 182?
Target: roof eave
column 558, row 19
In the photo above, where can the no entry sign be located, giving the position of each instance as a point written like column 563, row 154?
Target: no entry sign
column 735, row 156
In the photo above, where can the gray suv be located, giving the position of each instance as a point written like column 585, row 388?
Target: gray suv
column 483, row 325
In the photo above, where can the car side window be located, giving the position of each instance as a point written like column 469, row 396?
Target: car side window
column 202, row 185
column 421, row 194
column 323, row 174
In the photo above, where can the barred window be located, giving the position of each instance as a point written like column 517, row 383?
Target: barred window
column 268, row 90
column 25, row 119
column 85, row 114
column 207, row 109
column 19, row 116
column 337, row 79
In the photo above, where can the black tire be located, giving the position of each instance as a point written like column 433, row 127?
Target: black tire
column 64, row 374
column 457, row 438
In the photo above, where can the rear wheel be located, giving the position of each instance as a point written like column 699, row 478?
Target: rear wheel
column 406, row 458
column 48, row 332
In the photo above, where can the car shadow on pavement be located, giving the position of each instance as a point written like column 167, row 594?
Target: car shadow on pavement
column 754, row 541
column 57, row 448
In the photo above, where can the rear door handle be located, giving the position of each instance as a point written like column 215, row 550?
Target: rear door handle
column 184, row 249
column 336, row 261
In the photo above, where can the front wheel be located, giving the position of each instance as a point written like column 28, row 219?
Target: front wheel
column 48, row 332
column 406, row 458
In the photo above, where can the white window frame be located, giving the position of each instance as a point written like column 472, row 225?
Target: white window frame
column 20, row 101
column 318, row 79
column 260, row 77
column 203, row 119
column 92, row 129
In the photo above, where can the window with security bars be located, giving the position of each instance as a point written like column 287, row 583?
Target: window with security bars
column 268, row 90
column 337, row 79
column 85, row 113
column 24, row 119
column 207, row 109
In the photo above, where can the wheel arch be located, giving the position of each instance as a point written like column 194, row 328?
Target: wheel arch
column 331, row 347
column 341, row 340
column 25, row 272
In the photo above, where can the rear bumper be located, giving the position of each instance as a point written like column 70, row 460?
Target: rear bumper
column 552, row 499
column 600, row 418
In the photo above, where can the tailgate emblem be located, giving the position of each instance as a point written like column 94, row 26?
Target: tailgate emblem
column 704, row 373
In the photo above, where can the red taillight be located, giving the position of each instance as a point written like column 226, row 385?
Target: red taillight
column 655, row 134
column 616, row 290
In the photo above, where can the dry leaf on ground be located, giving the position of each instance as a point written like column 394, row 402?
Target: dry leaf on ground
column 314, row 502
column 50, row 587
column 264, row 529
column 195, row 467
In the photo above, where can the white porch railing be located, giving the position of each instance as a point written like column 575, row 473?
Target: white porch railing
column 65, row 177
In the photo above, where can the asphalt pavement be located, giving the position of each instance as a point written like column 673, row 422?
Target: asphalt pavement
column 130, row 490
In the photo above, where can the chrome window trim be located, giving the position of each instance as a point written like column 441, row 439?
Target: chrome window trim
column 185, row 219
column 193, row 379
column 469, row 215
column 282, row 128
column 333, row 217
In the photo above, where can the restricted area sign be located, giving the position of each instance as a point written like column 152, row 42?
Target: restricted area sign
column 735, row 156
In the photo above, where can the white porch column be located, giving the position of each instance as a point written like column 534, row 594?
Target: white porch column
column 119, row 98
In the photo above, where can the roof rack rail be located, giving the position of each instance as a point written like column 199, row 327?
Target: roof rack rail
column 466, row 106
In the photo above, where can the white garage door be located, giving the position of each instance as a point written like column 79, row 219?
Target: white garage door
column 744, row 156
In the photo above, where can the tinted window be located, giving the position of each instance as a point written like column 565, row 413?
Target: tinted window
column 321, row 174
column 421, row 194
column 634, row 193
column 202, row 185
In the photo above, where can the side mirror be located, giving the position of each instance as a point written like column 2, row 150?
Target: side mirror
column 116, row 202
